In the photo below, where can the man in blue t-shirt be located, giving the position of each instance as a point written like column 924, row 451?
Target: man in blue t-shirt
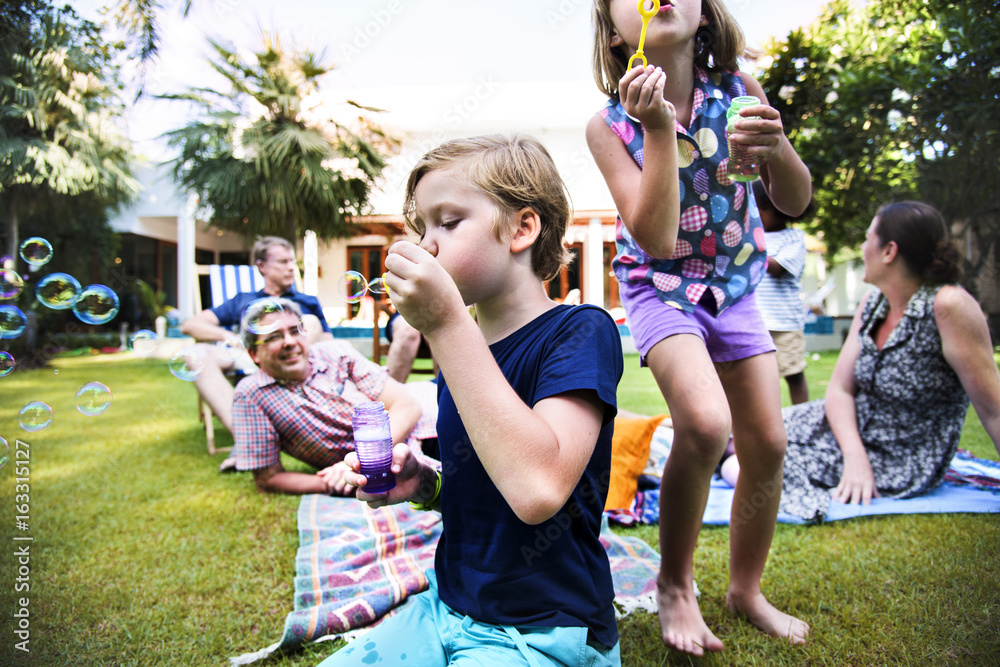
column 275, row 259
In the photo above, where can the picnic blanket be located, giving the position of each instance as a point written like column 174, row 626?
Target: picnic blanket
column 355, row 566
column 970, row 485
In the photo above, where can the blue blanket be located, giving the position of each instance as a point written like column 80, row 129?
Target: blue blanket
column 970, row 485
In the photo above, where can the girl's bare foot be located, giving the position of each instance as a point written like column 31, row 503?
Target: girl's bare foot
column 681, row 623
column 767, row 618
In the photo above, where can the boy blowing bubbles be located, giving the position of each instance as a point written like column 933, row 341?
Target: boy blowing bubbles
column 526, row 411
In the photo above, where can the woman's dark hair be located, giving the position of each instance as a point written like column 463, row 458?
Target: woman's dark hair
column 921, row 235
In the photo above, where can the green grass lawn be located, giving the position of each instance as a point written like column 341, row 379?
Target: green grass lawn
column 143, row 554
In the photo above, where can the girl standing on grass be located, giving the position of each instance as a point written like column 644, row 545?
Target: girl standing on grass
column 690, row 252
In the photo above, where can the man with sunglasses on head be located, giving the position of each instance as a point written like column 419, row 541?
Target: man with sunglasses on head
column 301, row 403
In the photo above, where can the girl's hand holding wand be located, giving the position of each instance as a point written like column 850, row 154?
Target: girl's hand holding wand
column 641, row 94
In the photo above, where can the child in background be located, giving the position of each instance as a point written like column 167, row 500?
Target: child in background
column 779, row 294
column 690, row 252
column 527, row 401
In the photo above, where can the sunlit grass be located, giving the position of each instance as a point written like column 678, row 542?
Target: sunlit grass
column 143, row 554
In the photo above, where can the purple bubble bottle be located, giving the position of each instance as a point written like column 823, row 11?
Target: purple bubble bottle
column 373, row 443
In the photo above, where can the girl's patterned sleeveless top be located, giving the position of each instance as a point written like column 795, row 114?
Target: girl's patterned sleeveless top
column 720, row 244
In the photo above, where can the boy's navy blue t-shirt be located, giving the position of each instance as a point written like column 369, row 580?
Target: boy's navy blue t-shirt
column 489, row 564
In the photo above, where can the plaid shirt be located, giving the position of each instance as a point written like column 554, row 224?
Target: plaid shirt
column 310, row 421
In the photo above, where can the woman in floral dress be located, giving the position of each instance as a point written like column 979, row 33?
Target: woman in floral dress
column 918, row 350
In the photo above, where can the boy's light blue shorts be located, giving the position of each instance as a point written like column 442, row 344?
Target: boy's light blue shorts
column 426, row 633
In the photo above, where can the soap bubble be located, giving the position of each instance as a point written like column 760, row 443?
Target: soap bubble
column 258, row 311
column 143, row 342
column 815, row 356
column 352, row 286
column 10, row 284
column 36, row 251
column 188, row 363
column 4, row 452
column 92, row 399
column 12, row 322
column 6, row 364
column 231, row 348
column 378, row 285
column 309, row 325
column 97, row 304
column 34, row 416
column 58, row 291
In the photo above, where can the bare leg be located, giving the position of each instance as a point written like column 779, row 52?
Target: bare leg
column 701, row 424
column 798, row 390
column 213, row 386
column 403, row 350
column 759, row 436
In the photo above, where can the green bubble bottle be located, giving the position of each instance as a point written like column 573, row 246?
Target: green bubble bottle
column 742, row 165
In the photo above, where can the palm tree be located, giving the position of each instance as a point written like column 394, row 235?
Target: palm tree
column 264, row 158
column 59, row 130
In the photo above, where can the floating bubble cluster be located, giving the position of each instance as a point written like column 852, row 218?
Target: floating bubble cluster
column 58, row 291
column 353, row 286
column 96, row 304
column 143, row 342
column 4, row 452
column 6, row 363
column 12, row 322
column 34, row 416
column 93, row 399
column 188, row 363
column 11, row 284
column 257, row 318
column 36, row 251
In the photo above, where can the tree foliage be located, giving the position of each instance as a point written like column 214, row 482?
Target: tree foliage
column 60, row 119
column 262, row 156
column 894, row 99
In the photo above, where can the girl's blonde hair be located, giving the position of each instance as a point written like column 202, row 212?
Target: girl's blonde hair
column 718, row 46
column 515, row 172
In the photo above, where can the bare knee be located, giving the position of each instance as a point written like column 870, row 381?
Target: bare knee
column 703, row 436
column 762, row 447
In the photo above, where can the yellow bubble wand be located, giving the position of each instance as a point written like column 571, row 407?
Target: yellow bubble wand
column 646, row 15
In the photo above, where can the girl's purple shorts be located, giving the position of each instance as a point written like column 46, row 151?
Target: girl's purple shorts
column 738, row 333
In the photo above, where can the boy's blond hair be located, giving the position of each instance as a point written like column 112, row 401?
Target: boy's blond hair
column 515, row 172
column 722, row 40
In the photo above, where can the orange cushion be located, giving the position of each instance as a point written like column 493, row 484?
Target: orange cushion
column 629, row 454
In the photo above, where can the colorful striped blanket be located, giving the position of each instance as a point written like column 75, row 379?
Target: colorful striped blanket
column 356, row 565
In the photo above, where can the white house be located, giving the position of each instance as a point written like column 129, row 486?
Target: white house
column 162, row 242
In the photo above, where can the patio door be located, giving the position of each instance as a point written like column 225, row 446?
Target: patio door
column 569, row 276
column 367, row 260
